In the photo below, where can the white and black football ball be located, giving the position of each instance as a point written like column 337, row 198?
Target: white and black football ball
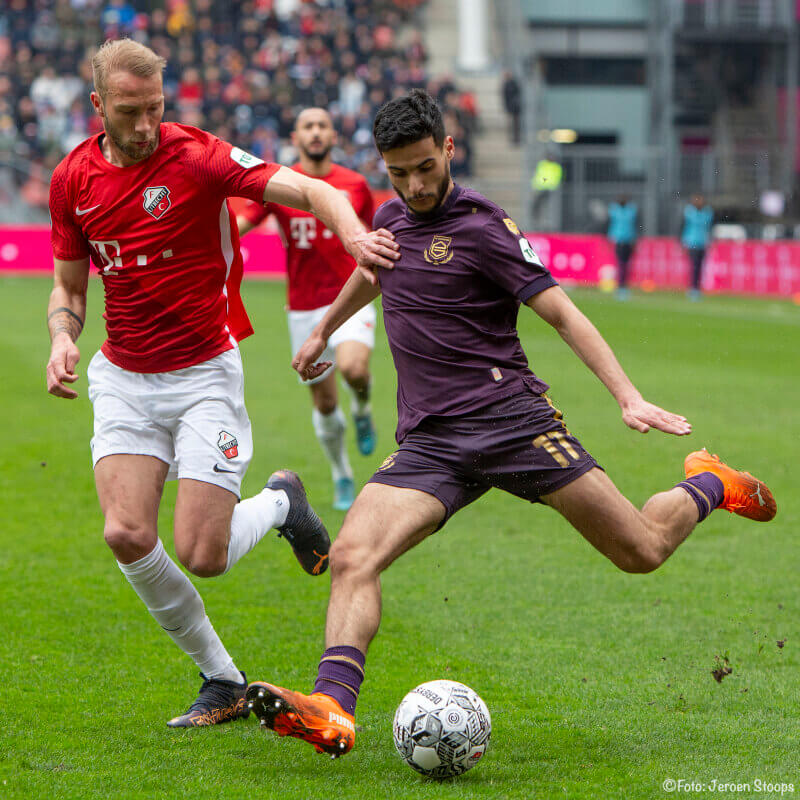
column 442, row 728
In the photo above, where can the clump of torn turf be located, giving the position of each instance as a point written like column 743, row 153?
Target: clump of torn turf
column 723, row 668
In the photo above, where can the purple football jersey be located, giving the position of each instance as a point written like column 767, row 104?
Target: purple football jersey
column 450, row 306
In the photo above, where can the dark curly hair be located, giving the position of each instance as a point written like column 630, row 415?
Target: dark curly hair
column 406, row 120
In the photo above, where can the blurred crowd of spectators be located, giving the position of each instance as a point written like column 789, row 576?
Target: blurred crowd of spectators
column 241, row 70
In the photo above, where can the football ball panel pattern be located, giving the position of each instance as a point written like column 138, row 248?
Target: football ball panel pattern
column 441, row 728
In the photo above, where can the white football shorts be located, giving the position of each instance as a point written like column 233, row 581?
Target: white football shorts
column 193, row 419
column 359, row 328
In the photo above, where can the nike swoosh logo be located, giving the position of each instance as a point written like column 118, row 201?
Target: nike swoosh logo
column 219, row 469
column 79, row 212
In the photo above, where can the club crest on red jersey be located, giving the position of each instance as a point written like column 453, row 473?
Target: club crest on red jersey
column 156, row 201
column 228, row 443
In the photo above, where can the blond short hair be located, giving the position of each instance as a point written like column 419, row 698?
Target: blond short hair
column 124, row 55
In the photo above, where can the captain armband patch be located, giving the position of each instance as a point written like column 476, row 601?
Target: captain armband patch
column 528, row 252
column 244, row 159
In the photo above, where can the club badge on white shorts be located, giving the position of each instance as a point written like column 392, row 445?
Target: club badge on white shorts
column 228, row 443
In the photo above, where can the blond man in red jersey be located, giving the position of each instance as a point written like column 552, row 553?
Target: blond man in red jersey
column 318, row 266
column 146, row 203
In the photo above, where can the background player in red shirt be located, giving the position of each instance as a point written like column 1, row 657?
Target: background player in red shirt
column 146, row 201
column 317, row 267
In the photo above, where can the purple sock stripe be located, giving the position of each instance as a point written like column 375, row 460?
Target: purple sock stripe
column 341, row 672
column 348, row 652
column 342, row 695
column 706, row 490
column 352, row 692
column 348, row 674
column 343, row 661
column 700, row 500
column 710, row 485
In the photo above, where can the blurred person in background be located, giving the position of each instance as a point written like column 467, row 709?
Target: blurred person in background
column 698, row 217
column 545, row 182
column 317, row 268
column 512, row 102
column 622, row 232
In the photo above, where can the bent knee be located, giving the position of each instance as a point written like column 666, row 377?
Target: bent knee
column 639, row 559
column 201, row 545
column 342, row 556
column 129, row 543
column 351, row 558
column 326, row 405
column 202, row 559
column 356, row 373
column 205, row 563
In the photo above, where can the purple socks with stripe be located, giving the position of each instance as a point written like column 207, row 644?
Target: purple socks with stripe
column 706, row 490
column 341, row 671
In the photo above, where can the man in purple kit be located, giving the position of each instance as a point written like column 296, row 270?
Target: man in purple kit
column 471, row 415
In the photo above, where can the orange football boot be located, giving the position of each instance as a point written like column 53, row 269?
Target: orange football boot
column 316, row 718
column 744, row 495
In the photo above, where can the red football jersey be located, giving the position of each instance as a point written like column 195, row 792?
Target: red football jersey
column 164, row 241
column 317, row 263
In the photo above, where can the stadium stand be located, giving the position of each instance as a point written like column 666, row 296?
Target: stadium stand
column 238, row 69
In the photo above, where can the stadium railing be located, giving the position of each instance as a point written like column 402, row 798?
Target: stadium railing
column 711, row 14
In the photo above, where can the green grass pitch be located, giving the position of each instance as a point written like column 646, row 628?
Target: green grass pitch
column 599, row 683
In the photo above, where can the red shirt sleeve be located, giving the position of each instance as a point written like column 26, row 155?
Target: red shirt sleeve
column 67, row 239
column 254, row 212
column 228, row 170
column 367, row 210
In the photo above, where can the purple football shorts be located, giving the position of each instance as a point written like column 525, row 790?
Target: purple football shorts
column 519, row 445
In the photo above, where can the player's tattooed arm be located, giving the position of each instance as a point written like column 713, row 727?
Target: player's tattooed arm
column 554, row 307
column 65, row 315
column 64, row 320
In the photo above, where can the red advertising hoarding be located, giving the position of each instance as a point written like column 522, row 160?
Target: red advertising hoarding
column 751, row 267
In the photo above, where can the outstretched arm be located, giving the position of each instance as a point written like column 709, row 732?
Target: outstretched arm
column 66, row 313
column 355, row 294
column 555, row 308
column 369, row 249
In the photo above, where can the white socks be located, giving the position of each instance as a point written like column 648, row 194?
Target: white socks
column 178, row 609
column 330, row 430
column 174, row 602
column 252, row 518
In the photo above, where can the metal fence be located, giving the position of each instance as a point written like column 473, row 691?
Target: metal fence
column 593, row 177
column 712, row 14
